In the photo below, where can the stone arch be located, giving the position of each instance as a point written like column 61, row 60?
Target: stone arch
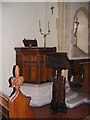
column 86, row 13
column 82, row 40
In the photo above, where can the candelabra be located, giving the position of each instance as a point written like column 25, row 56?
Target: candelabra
column 44, row 34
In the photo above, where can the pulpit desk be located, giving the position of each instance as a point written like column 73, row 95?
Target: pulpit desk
column 32, row 63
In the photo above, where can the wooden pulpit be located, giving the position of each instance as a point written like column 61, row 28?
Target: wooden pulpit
column 32, row 63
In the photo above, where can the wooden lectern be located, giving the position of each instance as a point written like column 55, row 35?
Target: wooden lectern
column 58, row 61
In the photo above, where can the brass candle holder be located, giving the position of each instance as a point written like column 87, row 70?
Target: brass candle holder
column 44, row 34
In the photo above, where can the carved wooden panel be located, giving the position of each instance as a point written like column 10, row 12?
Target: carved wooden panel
column 32, row 63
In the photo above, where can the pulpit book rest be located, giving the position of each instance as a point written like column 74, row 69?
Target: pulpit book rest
column 30, row 43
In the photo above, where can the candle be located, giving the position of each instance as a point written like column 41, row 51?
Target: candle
column 39, row 24
column 48, row 25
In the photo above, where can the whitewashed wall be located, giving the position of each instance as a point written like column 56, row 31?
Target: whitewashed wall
column 22, row 20
column 0, row 45
column 52, row 38
column 82, row 39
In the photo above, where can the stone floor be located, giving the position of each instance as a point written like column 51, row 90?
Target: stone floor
column 75, row 98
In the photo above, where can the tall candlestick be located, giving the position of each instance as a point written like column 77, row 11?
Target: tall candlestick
column 44, row 34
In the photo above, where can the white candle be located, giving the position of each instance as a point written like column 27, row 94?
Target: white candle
column 39, row 24
column 48, row 25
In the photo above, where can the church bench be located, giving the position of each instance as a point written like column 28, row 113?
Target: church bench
column 4, row 105
column 17, row 104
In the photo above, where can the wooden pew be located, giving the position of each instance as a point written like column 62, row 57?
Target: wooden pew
column 17, row 105
column 4, row 105
column 19, row 108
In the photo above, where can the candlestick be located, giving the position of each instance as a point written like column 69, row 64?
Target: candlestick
column 44, row 34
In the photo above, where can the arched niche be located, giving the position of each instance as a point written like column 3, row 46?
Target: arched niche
column 81, row 26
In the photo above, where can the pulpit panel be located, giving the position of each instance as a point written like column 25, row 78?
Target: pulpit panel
column 32, row 63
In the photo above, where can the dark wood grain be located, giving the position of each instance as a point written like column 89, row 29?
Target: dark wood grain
column 32, row 63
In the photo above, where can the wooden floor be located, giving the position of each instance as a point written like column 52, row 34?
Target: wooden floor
column 80, row 112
